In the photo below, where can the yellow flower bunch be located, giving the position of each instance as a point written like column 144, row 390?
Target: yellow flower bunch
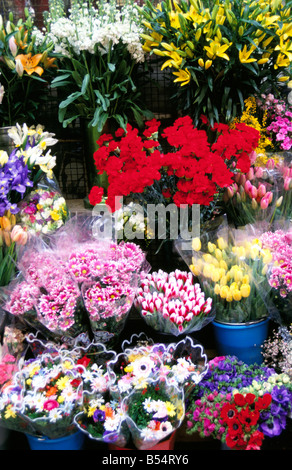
column 229, row 272
column 220, row 54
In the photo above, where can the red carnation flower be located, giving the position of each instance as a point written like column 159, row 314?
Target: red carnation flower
column 95, row 195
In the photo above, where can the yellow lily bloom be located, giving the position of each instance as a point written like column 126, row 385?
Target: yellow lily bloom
column 215, row 49
column 285, row 48
column 174, row 61
column 282, row 61
column 244, row 55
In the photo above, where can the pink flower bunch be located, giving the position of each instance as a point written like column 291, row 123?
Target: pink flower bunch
column 204, row 417
column 47, row 294
column 280, row 244
column 278, row 115
column 8, row 366
column 173, row 303
column 108, row 298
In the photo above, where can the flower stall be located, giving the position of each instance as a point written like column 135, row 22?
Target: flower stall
column 154, row 313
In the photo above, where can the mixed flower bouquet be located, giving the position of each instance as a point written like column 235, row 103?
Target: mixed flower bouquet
column 191, row 171
column 100, row 51
column 21, row 170
column 279, row 299
column 43, row 211
column 153, row 412
column 231, row 267
column 12, row 349
column 103, row 420
column 239, row 404
column 182, row 364
column 51, row 395
column 172, row 303
column 220, row 53
column 26, row 67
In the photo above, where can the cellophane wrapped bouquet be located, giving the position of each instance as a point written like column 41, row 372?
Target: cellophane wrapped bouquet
column 13, row 347
column 172, row 303
column 153, row 412
column 231, row 267
column 74, row 285
column 43, row 397
column 279, row 274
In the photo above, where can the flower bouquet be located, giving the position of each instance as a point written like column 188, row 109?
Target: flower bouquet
column 153, row 412
column 43, row 211
column 45, row 297
column 103, row 420
column 231, row 268
column 51, row 395
column 277, row 350
column 172, row 303
column 279, row 275
column 11, row 351
column 239, row 404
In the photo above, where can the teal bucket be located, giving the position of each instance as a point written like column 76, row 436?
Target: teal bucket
column 243, row 340
column 71, row 442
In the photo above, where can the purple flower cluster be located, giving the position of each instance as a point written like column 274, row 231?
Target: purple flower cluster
column 14, row 177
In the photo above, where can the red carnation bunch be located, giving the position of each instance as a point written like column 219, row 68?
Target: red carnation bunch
column 134, row 162
column 241, row 418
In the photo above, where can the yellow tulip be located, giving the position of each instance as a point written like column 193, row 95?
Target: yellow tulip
column 218, row 254
column 221, row 243
column 196, row 244
column 217, row 289
column 245, row 290
column 224, row 292
column 236, row 294
column 195, row 269
column 211, row 247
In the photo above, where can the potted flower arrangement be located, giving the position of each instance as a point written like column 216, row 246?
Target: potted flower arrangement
column 219, row 53
column 239, row 404
column 27, row 66
column 171, row 303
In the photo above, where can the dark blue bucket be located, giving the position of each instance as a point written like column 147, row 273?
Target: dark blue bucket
column 72, row 442
column 243, row 340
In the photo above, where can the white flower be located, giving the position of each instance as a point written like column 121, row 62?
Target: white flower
column 55, row 415
column 112, row 423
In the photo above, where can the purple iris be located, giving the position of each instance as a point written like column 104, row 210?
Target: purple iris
column 14, row 180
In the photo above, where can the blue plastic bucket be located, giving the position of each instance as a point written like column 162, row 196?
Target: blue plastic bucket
column 242, row 340
column 72, row 442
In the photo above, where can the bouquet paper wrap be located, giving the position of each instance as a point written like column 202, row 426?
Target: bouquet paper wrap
column 153, row 412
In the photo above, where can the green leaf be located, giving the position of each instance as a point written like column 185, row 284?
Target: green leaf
column 102, row 100
column 85, row 83
column 71, row 98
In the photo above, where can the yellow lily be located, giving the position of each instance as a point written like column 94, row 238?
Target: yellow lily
column 285, row 48
column 30, row 63
column 183, row 76
column 217, row 50
column 282, row 61
column 174, row 61
column 244, row 55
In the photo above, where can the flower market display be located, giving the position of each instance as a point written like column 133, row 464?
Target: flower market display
column 158, row 315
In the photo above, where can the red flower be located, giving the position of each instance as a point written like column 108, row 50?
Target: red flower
column 263, row 402
column 83, row 361
column 95, row 195
column 228, row 413
column 248, row 417
column 239, row 399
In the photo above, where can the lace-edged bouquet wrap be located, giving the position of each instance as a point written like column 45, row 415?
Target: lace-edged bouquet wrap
column 153, row 412
column 102, row 419
column 51, row 395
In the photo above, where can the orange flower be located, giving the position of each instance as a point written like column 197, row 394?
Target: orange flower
column 48, row 62
column 51, row 391
column 30, row 63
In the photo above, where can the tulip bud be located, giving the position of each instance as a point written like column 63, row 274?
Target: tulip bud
column 5, row 223
column 253, row 192
column 261, row 190
column 270, row 164
column 254, row 204
column 264, row 203
column 7, row 238
column 259, row 172
column 279, row 201
column 18, row 235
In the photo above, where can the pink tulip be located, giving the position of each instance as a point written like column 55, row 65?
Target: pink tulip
column 261, row 190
